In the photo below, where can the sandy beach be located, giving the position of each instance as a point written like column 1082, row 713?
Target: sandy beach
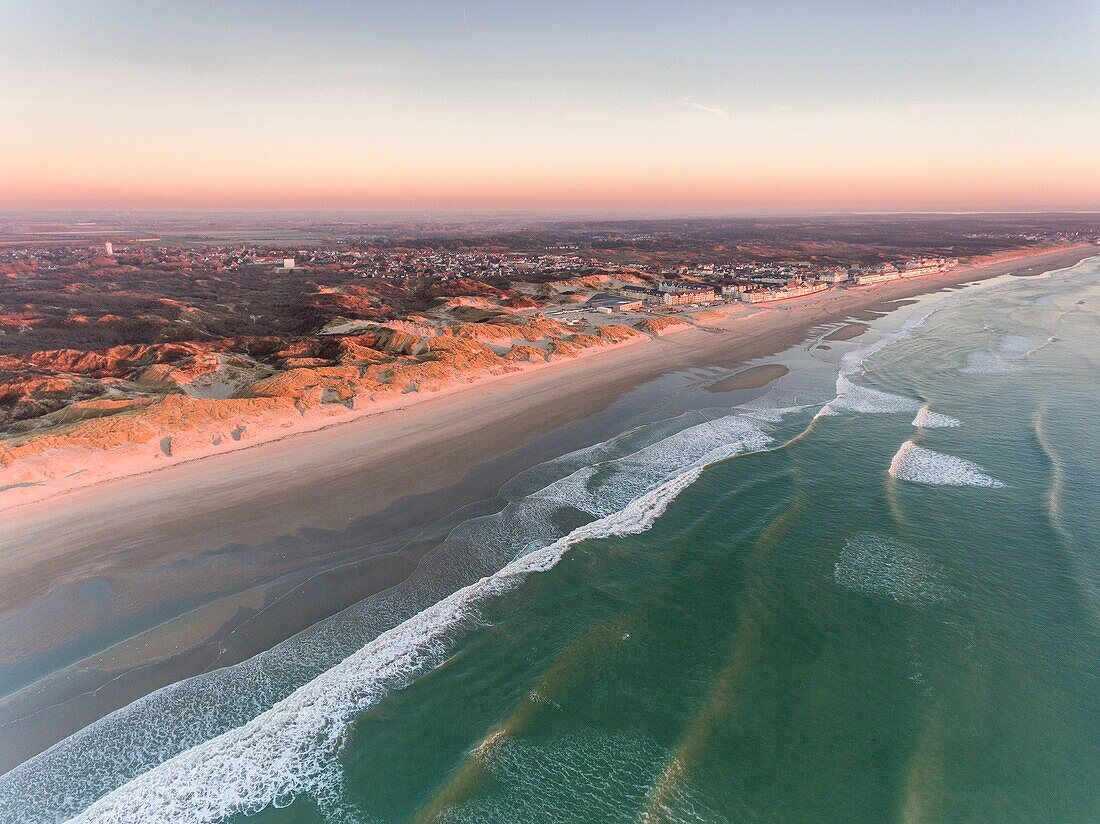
column 192, row 552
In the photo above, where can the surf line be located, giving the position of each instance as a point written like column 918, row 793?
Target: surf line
column 292, row 748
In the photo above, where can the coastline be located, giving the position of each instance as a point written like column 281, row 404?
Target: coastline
column 105, row 465
column 315, row 479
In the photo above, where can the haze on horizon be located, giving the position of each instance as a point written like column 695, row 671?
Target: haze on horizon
column 572, row 106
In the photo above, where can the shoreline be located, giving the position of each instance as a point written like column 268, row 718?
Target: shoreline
column 397, row 469
column 117, row 466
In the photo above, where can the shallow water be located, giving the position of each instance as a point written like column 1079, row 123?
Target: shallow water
column 872, row 593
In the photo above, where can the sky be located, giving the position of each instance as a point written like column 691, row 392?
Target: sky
column 647, row 107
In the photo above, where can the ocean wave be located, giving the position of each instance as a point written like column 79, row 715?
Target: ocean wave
column 292, row 748
column 623, row 494
column 927, row 419
column 919, row 465
column 854, row 361
column 701, row 444
column 538, row 477
column 851, row 397
column 769, row 415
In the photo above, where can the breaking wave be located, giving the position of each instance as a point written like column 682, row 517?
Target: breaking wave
column 923, row 466
column 241, row 738
column 927, row 419
column 851, row 397
column 292, row 748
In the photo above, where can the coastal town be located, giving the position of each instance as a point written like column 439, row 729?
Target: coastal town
column 158, row 343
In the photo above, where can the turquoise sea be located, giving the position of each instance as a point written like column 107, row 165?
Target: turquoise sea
column 869, row 592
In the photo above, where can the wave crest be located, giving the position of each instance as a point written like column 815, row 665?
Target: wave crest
column 292, row 748
column 851, row 397
column 923, row 466
column 927, row 419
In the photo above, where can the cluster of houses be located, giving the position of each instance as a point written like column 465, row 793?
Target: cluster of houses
column 909, row 269
column 673, row 293
column 773, row 283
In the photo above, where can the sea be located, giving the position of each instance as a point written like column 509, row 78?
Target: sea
column 866, row 592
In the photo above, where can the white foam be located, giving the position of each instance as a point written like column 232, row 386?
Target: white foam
column 769, row 414
column 987, row 363
column 121, row 746
column 927, row 419
column 587, row 490
column 853, row 361
column 919, row 465
column 851, row 397
column 1014, row 345
column 877, row 565
column 291, row 748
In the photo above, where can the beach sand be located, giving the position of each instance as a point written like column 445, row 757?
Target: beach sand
column 751, row 378
column 197, row 549
column 848, row 331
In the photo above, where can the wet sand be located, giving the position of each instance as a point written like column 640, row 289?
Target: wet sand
column 751, row 378
column 848, row 331
column 148, row 579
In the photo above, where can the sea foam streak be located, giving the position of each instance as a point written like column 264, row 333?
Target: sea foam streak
column 1014, row 345
column 927, row 419
column 919, row 465
column 291, row 748
column 599, row 773
column 880, row 566
column 987, row 363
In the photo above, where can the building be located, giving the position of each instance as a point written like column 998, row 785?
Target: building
column 703, row 295
column 682, row 292
column 608, row 302
column 871, row 278
column 879, row 274
column 643, row 293
column 606, row 307
column 783, row 293
column 834, row 275
column 672, row 285
column 926, row 266
column 109, row 249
